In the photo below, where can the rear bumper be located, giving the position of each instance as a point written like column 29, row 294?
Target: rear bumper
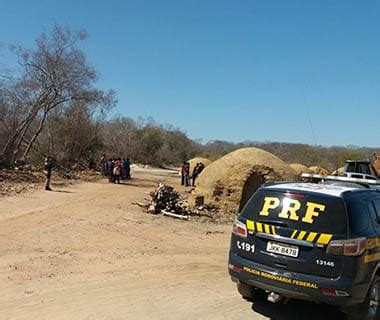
column 296, row 285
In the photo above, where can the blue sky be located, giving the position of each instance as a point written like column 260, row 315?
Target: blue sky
column 230, row 70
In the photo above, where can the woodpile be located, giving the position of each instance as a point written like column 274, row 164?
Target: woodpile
column 168, row 202
column 165, row 198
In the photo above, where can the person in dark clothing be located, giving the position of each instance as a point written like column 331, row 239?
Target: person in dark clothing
column 48, row 167
column 183, row 173
column 110, row 170
column 186, row 174
column 197, row 170
column 195, row 173
column 127, row 168
column 123, row 173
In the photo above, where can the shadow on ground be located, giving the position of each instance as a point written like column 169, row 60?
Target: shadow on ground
column 294, row 310
column 61, row 191
column 138, row 183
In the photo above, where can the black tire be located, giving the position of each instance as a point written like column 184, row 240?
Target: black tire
column 370, row 308
column 248, row 292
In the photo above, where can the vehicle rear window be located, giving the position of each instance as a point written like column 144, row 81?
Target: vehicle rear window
column 358, row 215
column 302, row 211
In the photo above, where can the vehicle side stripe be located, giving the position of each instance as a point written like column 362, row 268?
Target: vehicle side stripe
column 372, row 243
column 311, row 236
column 259, row 227
column 301, row 235
column 294, row 234
column 324, row 238
column 250, row 225
column 267, row 228
column 372, row 257
column 273, row 229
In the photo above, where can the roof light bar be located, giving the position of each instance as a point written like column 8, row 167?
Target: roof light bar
column 343, row 179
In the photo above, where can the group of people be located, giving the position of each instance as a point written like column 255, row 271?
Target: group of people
column 185, row 173
column 113, row 168
column 116, row 169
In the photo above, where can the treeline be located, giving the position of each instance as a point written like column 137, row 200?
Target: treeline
column 49, row 105
column 328, row 157
column 147, row 142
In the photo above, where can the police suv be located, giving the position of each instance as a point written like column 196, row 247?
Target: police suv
column 310, row 241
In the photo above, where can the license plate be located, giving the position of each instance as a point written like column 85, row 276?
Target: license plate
column 281, row 248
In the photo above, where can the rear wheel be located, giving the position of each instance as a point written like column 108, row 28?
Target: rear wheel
column 370, row 308
column 248, row 292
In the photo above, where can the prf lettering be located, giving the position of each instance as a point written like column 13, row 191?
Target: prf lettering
column 289, row 208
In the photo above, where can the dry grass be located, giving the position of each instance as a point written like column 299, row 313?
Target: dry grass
column 300, row 168
column 319, row 170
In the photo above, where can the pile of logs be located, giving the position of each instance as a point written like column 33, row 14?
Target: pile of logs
column 165, row 200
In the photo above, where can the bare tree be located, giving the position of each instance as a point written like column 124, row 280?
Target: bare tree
column 53, row 75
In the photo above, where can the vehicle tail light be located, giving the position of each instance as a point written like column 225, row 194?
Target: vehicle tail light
column 239, row 228
column 234, row 268
column 352, row 247
column 333, row 292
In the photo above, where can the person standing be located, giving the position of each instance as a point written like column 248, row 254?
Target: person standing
column 127, row 168
column 195, row 173
column 200, row 167
column 197, row 170
column 110, row 166
column 117, row 170
column 123, row 172
column 48, row 167
column 183, row 173
column 187, row 174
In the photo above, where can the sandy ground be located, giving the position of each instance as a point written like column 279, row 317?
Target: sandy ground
column 85, row 252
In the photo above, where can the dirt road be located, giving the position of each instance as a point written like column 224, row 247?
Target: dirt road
column 85, row 252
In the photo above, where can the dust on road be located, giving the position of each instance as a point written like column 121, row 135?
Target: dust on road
column 85, row 252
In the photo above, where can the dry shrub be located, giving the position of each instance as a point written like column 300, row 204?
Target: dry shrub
column 376, row 164
column 300, row 168
column 338, row 172
column 319, row 170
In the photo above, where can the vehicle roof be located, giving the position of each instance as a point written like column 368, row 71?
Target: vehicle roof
column 325, row 189
column 358, row 161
